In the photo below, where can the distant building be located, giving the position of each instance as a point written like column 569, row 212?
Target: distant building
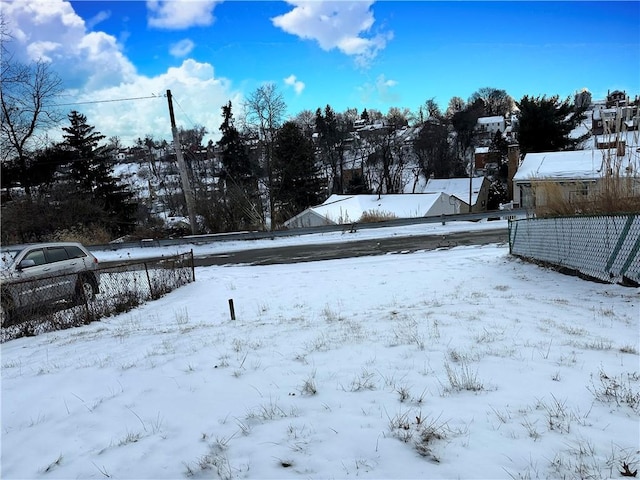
column 491, row 125
column 347, row 209
column 459, row 188
column 573, row 174
column 617, row 98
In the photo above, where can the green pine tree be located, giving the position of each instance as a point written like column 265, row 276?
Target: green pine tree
column 296, row 174
column 544, row 124
column 91, row 172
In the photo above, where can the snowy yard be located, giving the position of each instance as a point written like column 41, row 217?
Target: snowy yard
column 459, row 363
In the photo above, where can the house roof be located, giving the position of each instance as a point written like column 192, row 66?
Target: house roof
column 494, row 119
column 456, row 187
column 349, row 208
column 579, row 164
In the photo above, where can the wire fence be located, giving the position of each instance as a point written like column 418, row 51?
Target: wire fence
column 604, row 247
column 64, row 301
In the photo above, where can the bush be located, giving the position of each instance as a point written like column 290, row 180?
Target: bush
column 373, row 216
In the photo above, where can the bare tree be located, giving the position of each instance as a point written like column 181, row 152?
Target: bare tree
column 398, row 117
column 27, row 94
column 495, row 101
column 456, row 104
column 306, row 120
column 264, row 113
column 385, row 162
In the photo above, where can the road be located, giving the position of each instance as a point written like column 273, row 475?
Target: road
column 377, row 246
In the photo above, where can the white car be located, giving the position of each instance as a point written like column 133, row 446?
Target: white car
column 33, row 276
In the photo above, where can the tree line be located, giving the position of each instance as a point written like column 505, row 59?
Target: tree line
column 265, row 168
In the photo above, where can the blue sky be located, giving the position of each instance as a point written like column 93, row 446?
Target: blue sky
column 361, row 54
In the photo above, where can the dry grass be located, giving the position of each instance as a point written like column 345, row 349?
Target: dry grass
column 617, row 191
column 373, row 216
column 87, row 235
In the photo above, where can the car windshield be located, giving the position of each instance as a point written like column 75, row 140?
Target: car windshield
column 7, row 256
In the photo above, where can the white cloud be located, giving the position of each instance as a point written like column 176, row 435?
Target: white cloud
column 182, row 48
column 98, row 18
column 180, row 14
column 337, row 24
column 41, row 50
column 49, row 30
column 297, row 85
column 197, row 94
column 94, row 69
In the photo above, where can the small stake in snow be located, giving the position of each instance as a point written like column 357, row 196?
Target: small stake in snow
column 232, row 310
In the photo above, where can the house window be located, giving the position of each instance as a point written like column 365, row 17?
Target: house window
column 527, row 199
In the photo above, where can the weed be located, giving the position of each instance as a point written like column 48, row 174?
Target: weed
column 214, row 460
column 129, row 438
column 632, row 349
column 309, row 385
column 530, row 428
column 404, row 393
column 407, row 332
column 373, row 216
column 462, row 378
column 617, row 389
column 503, row 417
column 412, row 427
column 330, row 315
column 363, row 381
column 53, row 464
column 269, row 411
column 558, row 418
column 579, row 460
column 599, row 344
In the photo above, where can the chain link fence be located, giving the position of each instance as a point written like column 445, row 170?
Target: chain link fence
column 64, row 301
column 605, row 248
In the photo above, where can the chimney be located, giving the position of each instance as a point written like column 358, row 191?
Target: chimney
column 513, row 158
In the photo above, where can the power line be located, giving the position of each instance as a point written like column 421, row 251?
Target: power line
column 106, row 101
column 185, row 113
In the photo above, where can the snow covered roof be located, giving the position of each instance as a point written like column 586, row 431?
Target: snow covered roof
column 456, row 187
column 494, row 119
column 482, row 150
column 579, row 164
column 344, row 209
column 349, row 208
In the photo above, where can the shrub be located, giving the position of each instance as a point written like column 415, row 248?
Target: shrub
column 373, row 216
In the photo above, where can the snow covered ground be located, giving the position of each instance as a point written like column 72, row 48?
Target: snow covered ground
column 454, row 363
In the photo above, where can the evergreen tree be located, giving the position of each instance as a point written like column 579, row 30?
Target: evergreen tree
column 240, row 176
column 330, row 144
column 91, row 172
column 296, row 176
column 235, row 160
column 545, row 123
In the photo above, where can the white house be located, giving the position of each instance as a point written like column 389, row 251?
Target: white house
column 346, row 209
column 491, row 124
column 577, row 172
column 459, row 189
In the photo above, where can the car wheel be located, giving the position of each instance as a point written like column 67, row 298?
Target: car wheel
column 84, row 291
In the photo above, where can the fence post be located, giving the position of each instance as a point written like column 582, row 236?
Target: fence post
column 193, row 268
column 146, row 269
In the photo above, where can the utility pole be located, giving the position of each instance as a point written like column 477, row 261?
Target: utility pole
column 186, row 186
column 471, row 181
